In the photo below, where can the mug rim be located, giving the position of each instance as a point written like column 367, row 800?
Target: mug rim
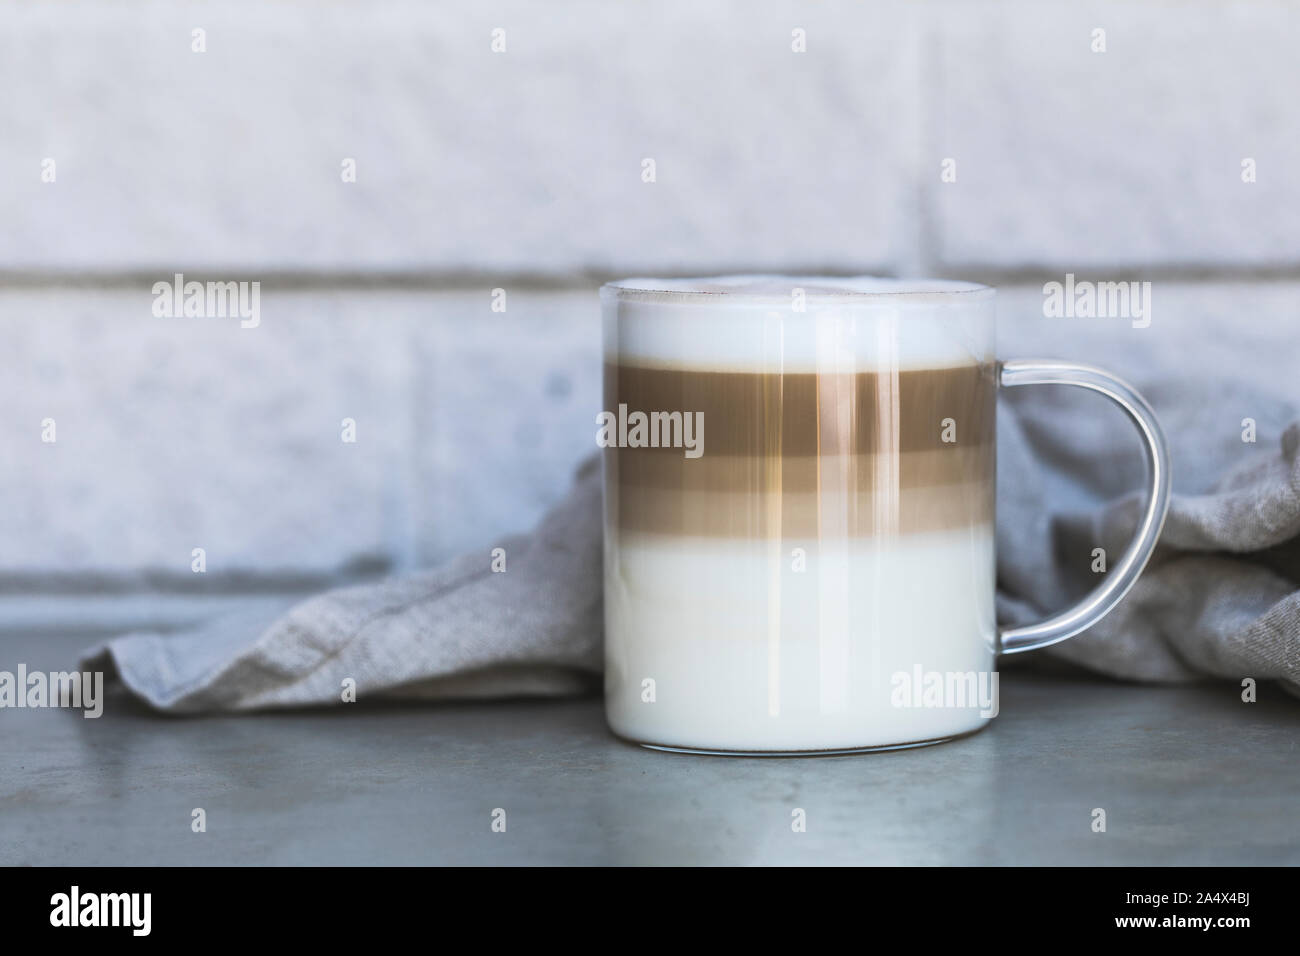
column 758, row 288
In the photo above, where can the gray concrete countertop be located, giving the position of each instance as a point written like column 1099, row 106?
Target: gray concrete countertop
column 1187, row 775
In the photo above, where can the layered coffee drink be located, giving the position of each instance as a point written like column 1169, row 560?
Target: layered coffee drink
column 799, row 511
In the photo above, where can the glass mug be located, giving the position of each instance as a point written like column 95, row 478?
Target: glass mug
column 799, row 485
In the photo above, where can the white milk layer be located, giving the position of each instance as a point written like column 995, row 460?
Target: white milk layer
column 721, row 644
column 798, row 324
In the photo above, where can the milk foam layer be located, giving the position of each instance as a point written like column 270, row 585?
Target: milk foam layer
column 748, row 654
column 757, row 323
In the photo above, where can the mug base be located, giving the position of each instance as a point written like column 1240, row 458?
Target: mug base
column 837, row 752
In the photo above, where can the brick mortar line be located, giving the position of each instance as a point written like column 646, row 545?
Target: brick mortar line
column 401, row 281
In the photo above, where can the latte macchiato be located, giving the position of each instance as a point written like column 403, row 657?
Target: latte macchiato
column 799, row 512
column 837, row 529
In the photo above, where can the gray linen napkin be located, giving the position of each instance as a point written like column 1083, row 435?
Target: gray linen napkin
column 1221, row 597
column 460, row 631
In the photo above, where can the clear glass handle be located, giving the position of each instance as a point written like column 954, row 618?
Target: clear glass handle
column 1122, row 576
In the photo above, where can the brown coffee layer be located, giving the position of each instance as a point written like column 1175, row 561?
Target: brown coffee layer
column 667, row 468
column 862, row 512
column 810, row 414
column 807, row 455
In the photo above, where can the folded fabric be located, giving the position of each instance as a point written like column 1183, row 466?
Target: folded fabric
column 1220, row 597
column 464, row 630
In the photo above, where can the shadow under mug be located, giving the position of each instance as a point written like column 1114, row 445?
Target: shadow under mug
column 799, row 495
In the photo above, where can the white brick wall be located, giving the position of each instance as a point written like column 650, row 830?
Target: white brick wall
column 1127, row 158
column 523, row 170
column 176, row 433
column 528, row 161
column 181, row 433
column 505, row 408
